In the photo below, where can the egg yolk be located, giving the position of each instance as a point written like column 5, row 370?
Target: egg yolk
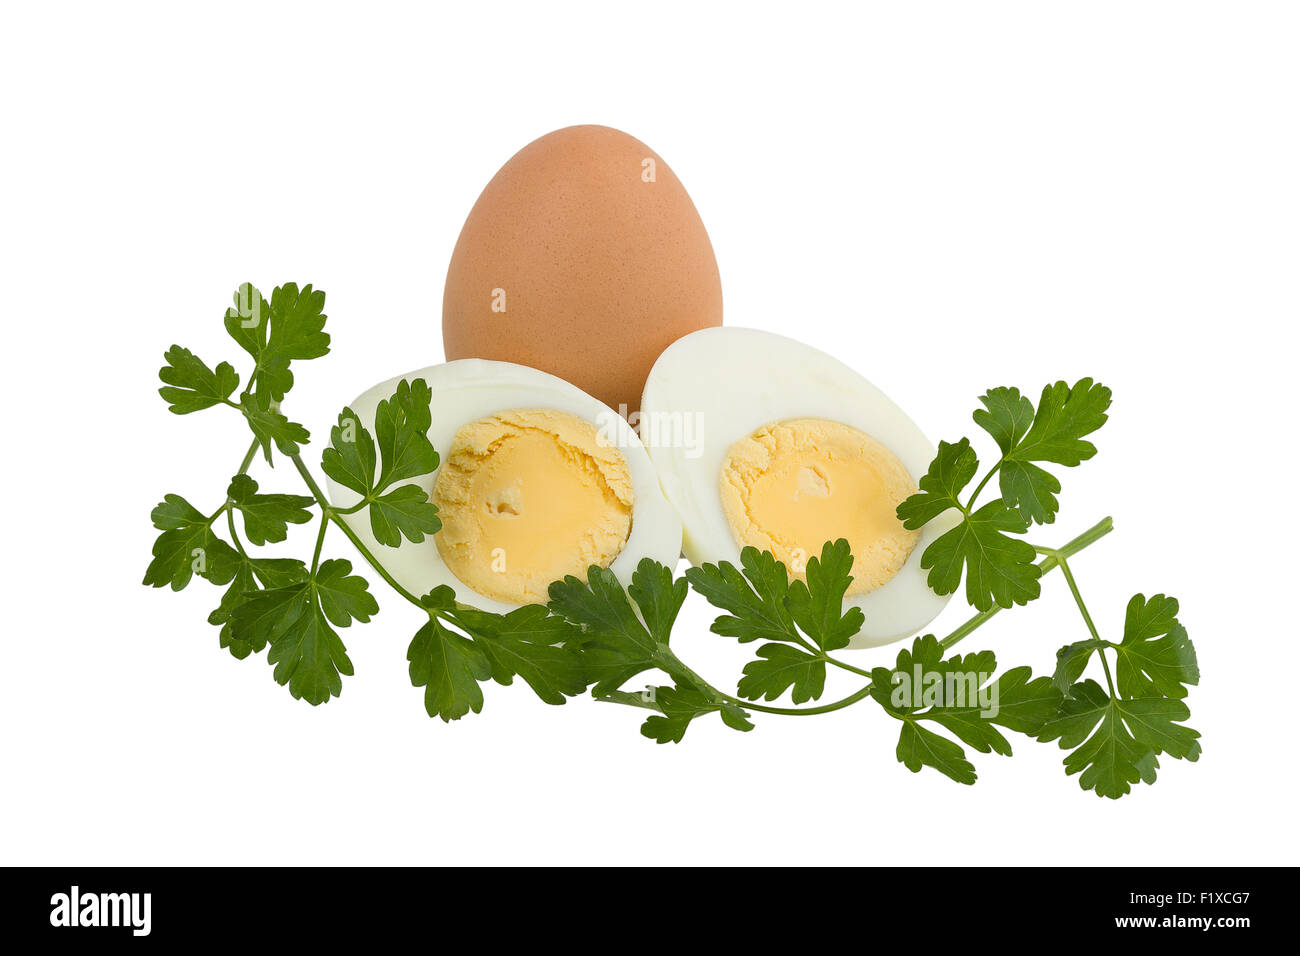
column 792, row 486
column 527, row 496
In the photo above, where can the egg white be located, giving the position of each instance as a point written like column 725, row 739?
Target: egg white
column 734, row 381
column 469, row 389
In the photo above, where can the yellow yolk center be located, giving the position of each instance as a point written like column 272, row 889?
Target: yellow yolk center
column 792, row 486
column 527, row 496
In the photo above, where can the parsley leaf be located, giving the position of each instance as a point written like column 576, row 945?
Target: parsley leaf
column 295, row 618
column 401, row 431
column 186, row 547
column 267, row 517
column 1109, row 760
column 952, row 469
column 960, row 695
column 1006, row 416
column 999, row 569
column 344, row 597
column 1023, row 704
column 266, row 614
column 308, row 654
column 615, row 644
column 764, row 604
column 780, row 667
column 1116, row 738
column 174, row 512
column 248, row 322
column 297, row 320
column 817, row 606
column 756, row 598
column 252, row 575
column 190, row 386
column 402, row 423
column 1072, row 661
column 270, row 426
column 601, row 608
column 1030, row 490
column 680, row 706
column 350, row 458
column 1064, row 416
column 288, row 328
column 658, row 597
column 1155, row 722
column 278, row 572
column 1115, row 742
column 919, row 747
column 1156, row 657
column 405, row 512
column 449, row 667
column 529, row 643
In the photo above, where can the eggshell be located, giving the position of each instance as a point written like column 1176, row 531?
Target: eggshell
column 584, row 257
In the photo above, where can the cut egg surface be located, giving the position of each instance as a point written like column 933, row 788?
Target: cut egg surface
column 761, row 440
column 536, row 479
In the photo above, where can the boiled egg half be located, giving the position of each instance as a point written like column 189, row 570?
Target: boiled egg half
column 761, row 440
column 536, row 480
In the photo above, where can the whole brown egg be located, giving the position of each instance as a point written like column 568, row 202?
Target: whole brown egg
column 584, row 257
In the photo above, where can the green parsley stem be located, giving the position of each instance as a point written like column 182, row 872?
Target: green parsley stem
column 328, row 512
column 1087, row 619
column 980, row 487
column 1054, row 557
column 234, row 533
column 629, row 699
column 816, row 651
column 672, row 665
column 226, row 506
column 230, row 512
column 800, row 711
column 1078, row 598
column 249, row 456
column 634, row 700
column 848, row 667
column 320, row 542
column 968, row 627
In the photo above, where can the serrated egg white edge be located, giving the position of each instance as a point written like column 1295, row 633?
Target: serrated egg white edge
column 739, row 380
column 470, row 389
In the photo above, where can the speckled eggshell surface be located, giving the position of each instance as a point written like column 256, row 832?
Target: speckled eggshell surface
column 584, row 257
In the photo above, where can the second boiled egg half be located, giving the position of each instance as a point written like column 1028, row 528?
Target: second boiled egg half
column 536, row 480
column 763, row 441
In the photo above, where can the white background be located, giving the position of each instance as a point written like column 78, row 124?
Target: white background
column 948, row 197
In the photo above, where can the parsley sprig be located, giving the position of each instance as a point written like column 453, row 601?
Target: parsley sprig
column 595, row 634
column 1114, row 735
column 294, row 608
